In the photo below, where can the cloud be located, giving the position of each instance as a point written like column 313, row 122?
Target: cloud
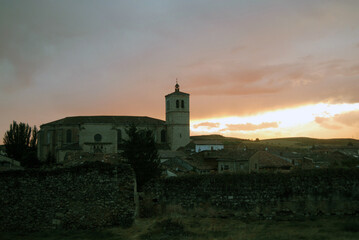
column 250, row 126
column 229, row 80
column 350, row 119
column 327, row 123
column 208, row 125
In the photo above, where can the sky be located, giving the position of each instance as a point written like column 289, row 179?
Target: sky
column 254, row 69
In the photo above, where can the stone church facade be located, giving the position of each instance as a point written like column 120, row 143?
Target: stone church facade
column 105, row 134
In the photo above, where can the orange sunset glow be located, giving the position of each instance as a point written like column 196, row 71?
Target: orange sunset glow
column 253, row 69
column 301, row 121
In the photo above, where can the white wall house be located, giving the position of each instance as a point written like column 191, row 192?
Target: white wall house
column 208, row 146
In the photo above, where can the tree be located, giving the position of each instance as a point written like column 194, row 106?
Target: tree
column 141, row 152
column 21, row 143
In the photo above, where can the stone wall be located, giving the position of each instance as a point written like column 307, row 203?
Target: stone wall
column 267, row 195
column 92, row 195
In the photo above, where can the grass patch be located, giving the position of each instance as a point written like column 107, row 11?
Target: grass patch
column 167, row 229
column 351, row 226
column 191, row 228
column 59, row 235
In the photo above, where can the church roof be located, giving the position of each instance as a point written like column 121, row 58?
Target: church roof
column 121, row 120
column 177, row 93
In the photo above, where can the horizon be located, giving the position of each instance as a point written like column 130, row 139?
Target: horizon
column 253, row 69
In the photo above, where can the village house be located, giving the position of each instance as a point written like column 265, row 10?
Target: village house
column 208, row 145
column 235, row 161
column 176, row 166
column 263, row 161
column 232, row 165
column 7, row 163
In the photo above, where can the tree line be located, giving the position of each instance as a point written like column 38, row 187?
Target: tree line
column 21, row 144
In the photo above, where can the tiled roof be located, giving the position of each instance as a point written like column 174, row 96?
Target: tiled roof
column 170, row 154
column 267, row 160
column 231, row 160
column 208, row 142
column 121, row 120
column 201, row 164
column 238, row 155
column 174, row 165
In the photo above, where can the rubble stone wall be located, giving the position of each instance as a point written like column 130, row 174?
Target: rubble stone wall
column 267, row 195
column 92, row 195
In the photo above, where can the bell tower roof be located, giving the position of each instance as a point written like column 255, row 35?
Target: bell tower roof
column 176, row 86
column 177, row 90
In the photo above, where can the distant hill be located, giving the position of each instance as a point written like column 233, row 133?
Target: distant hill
column 305, row 141
column 218, row 137
column 293, row 142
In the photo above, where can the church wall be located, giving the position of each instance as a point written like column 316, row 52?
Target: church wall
column 179, row 135
column 53, row 139
column 46, row 142
column 177, row 118
column 154, row 128
column 107, row 143
column 171, row 99
column 180, row 117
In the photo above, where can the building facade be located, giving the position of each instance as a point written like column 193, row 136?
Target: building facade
column 209, row 145
column 177, row 118
column 105, row 134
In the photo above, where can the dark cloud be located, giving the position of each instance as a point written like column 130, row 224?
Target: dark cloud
column 250, row 126
column 230, row 81
column 279, row 86
column 120, row 57
column 208, row 125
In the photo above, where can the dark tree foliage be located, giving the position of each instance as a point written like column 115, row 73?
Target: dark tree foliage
column 141, row 152
column 33, row 141
column 21, row 143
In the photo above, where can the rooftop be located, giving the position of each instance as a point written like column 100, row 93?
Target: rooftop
column 121, row 120
column 268, row 160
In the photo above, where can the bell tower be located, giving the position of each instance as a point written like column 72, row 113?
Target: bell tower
column 177, row 118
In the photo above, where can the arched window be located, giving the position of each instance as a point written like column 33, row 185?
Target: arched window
column 182, row 104
column 68, row 136
column 48, row 137
column 163, row 136
column 177, row 103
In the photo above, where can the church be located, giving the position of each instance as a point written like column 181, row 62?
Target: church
column 105, row 134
